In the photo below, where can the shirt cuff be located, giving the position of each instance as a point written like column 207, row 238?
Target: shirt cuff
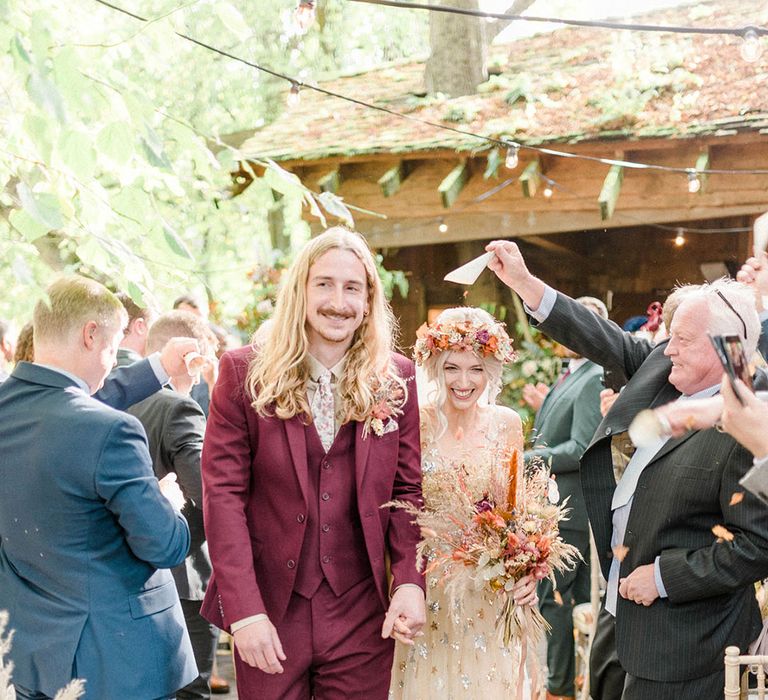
column 545, row 307
column 409, row 585
column 763, row 315
column 657, row 577
column 157, row 368
column 760, row 461
column 247, row 621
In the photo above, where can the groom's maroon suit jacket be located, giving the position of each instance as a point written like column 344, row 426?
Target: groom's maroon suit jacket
column 256, row 490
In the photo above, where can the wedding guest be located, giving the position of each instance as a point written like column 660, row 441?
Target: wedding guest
column 679, row 596
column 6, row 347
column 24, row 351
column 86, row 531
column 175, row 427
column 133, row 346
column 309, row 434
column 462, row 353
column 563, row 428
column 754, row 273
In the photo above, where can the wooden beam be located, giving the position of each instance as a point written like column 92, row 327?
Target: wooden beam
column 609, row 194
column 330, row 182
column 391, row 180
column 702, row 163
column 453, row 184
column 530, row 178
column 549, row 245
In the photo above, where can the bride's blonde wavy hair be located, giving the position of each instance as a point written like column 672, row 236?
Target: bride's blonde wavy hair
column 277, row 375
column 434, row 422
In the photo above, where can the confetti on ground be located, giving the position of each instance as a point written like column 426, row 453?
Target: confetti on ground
column 620, row 551
column 738, row 497
column 722, row 533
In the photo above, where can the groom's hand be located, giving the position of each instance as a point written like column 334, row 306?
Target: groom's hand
column 406, row 615
column 259, row 646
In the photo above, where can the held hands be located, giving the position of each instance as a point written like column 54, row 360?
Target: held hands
column 260, row 647
column 640, row 586
column 172, row 491
column 697, row 414
column 406, row 615
column 172, row 355
column 607, row 399
column 524, row 591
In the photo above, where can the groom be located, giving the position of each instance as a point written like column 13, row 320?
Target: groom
column 308, row 437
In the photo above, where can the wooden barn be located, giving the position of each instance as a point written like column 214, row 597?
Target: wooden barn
column 432, row 198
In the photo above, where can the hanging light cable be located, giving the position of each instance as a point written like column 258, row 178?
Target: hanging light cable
column 513, row 156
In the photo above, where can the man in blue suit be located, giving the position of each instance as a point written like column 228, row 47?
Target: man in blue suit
column 86, row 536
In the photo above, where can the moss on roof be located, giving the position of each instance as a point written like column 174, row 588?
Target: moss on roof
column 568, row 86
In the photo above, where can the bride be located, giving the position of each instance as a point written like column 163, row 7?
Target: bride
column 460, row 654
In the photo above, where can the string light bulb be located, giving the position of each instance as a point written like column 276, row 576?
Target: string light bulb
column 694, row 183
column 751, row 48
column 679, row 238
column 294, row 95
column 513, row 156
column 443, row 227
column 548, row 192
column 303, row 16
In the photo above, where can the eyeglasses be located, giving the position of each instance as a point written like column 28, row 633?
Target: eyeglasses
column 738, row 315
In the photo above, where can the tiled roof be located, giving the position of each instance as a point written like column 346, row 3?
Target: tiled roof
column 568, row 86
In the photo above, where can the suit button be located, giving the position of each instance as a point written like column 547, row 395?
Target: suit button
column 300, row 517
column 608, row 431
column 326, row 528
column 369, row 514
column 325, row 496
column 326, row 559
column 291, row 564
column 326, row 464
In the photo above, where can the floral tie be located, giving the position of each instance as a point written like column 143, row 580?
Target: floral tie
column 323, row 410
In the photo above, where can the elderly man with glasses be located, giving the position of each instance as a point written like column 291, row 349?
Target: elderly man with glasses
column 679, row 594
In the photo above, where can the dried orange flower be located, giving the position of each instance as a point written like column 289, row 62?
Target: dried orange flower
column 620, row 551
column 722, row 533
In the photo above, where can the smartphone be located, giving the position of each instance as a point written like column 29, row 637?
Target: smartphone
column 613, row 379
column 731, row 353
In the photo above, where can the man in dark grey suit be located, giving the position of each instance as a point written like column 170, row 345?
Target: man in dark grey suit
column 133, row 346
column 175, row 427
column 679, row 594
column 563, row 428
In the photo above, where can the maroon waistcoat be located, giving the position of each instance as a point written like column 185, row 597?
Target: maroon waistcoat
column 333, row 547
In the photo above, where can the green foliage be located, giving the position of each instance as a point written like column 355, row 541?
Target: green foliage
column 537, row 361
column 112, row 163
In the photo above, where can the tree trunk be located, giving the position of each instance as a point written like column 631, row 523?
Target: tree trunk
column 457, row 64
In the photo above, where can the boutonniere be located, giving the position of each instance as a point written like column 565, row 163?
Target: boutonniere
column 387, row 405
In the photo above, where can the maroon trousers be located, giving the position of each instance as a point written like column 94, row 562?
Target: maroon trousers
column 334, row 649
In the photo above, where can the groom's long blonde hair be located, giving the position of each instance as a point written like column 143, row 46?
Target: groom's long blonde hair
column 277, row 375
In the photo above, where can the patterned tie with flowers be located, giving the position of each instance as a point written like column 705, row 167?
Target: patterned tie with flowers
column 323, row 409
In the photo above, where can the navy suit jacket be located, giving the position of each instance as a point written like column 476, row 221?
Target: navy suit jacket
column 86, row 539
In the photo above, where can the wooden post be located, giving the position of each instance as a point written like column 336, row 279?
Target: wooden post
column 330, row 182
column 521, row 317
column 391, row 180
column 609, row 195
column 530, row 178
column 453, row 184
column 732, row 685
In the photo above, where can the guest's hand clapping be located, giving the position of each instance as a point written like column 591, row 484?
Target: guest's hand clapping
column 534, row 394
column 172, row 491
column 754, row 273
column 746, row 423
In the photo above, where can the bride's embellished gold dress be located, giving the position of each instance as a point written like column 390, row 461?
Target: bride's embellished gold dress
column 460, row 654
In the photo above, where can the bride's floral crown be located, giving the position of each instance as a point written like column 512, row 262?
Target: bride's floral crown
column 482, row 338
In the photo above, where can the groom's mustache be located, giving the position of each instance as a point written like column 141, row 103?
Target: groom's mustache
column 331, row 311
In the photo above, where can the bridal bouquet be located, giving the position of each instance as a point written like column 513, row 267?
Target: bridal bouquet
column 490, row 543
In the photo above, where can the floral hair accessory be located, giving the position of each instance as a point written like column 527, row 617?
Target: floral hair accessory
column 483, row 339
